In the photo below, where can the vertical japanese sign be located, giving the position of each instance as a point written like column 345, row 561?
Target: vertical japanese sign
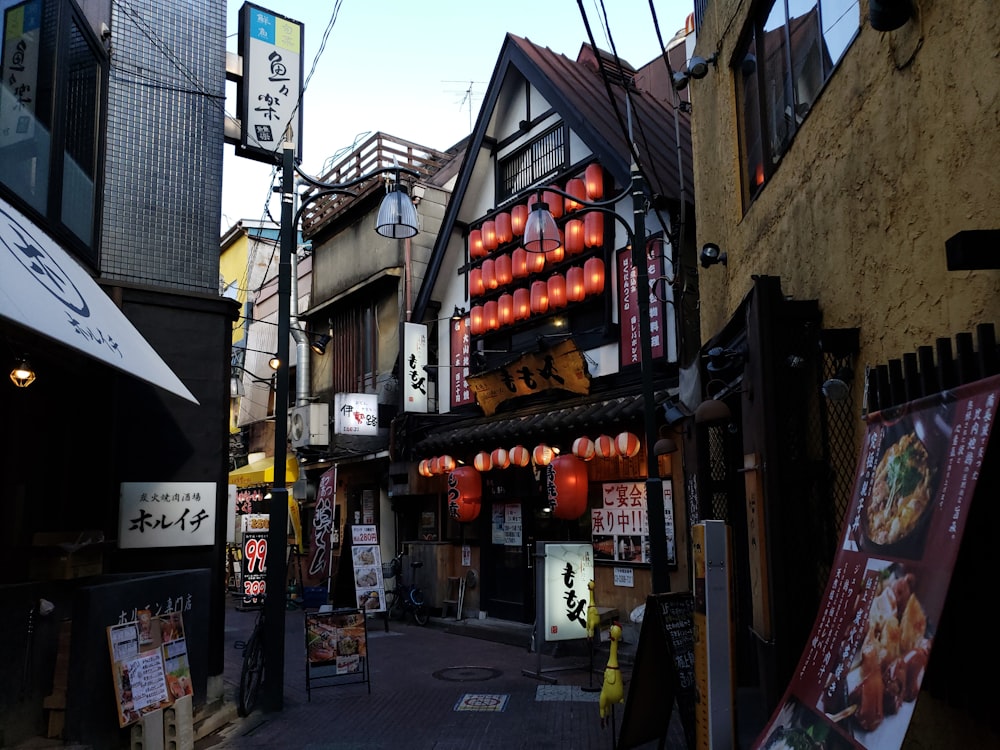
column 166, row 514
column 323, row 528
column 857, row 681
column 19, row 72
column 255, row 530
column 366, row 556
column 459, row 369
column 568, row 570
column 356, row 414
column 630, row 347
column 414, row 362
column 269, row 96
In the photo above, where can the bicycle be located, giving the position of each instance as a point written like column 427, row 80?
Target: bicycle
column 252, row 670
column 404, row 597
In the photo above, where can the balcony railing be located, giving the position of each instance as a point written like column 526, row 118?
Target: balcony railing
column 380, row 150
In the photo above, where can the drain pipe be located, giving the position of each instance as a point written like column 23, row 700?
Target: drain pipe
column 302, row 377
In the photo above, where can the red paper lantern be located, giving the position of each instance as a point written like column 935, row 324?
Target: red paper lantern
column 505, row 231
column 476, row 249
column 536, row 262
column 522, row 304
column 477, row 320
column 518, row 216
column 542, row 455
column 476, row 286
column 519, row 456
column 574, row 236
column 504, row 269
column 489, row 236
column 465, row 493
column 464, row 512
column 626, row 444
column 539, row 297
column 575, row 291
column 555, row 203
column 491, row 314
column 489, row 274
column 578, row 189
column 423, row 469
column 557, row 291
column 500, row 458
column 519, row 263
column 593, row 276
column 593, row 229
column 447, row 463
column 593, row 178
column 583, row 448
column 566, row 484
column 554, row 257
column 505, row 310
column 434, row 465
column 482, row 461
column 604, row 447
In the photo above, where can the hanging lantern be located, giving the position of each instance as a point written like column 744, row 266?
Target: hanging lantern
column 519, row 456
column 566, row 485
column 627, row 444
column 542, row 455
column 434, row 465
column 593, row 229
column 583, row 448
column 505, row 232
column 557, row 291
column 447, row 464
column 477, row 320
column 489, row 236
column 482, row 461
column 500, row 458
column 522, row 304
column 519, row 263
column 504, row 269
column 476, row 286
column 476, row 249
column 518, row 216
column 536, row 262
column 574, row 285
column 554, row 257
column 465, row 493
column 491, row 314
column 593, row 276
column 489, row 274
column 593, row 178
column 554, row 202
column 573, row 233
column 423, row 469
column 578, row 189
column 604, row 447
column 505, row 310
column 463, row 511
column 539, row 297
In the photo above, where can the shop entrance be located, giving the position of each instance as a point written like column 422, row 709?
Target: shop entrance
column 507, row 564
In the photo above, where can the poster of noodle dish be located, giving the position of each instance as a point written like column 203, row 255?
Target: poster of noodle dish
column 858, row 679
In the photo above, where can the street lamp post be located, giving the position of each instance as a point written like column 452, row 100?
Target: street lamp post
column 540, row 232
column 397, row 219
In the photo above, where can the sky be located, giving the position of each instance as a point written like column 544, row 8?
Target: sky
column 418, row 70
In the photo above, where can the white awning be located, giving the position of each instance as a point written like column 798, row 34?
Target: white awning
column 44, row 289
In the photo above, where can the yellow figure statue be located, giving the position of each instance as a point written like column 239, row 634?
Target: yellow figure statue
column 593, row 619
column 613, row 690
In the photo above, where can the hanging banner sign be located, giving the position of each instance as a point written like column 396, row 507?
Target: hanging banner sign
column 915, row 480
column 356, row 414
column 414, row 361
column 569, row 568
column 458, row 369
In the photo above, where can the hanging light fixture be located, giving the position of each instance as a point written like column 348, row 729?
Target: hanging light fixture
column 319, row 343
column 578, row 189
column 583, row 448
column 605, row 447
column 539, row 297
column 543, row 454
column 22, row 375
column 476, row 249
column 519, row 456
column 574, row 236
column 483, row 461
column 505, row 309
column 489, row 236
column 593, row 229
column 575, row 290
column 504, row 228
column 397, row 216
column 491, row 313
column 504, row 269
column 477, row 320
column 519, row 263
column 556, row 287
column 518, row 217
column 593, row 178
column 593, row 276
column 476, row 286
column 522, row 304
column 541, row 234
column 500, row 458
column 489, row 274
column 627, row 444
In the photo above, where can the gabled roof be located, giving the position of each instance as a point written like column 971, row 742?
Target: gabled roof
column 576, row 90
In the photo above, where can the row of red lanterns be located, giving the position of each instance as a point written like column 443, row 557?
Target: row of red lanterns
column 506, row 225
column 543, row 296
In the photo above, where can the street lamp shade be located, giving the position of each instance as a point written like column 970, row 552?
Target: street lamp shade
column 397, row 216
column 541, row 234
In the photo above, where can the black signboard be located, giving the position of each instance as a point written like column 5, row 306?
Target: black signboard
column 663, row 672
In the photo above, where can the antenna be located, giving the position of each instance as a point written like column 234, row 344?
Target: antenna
column 467, row 94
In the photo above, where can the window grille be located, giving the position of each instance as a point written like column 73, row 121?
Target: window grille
column 544, row 156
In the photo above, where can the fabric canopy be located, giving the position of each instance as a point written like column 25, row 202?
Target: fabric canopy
column 262, row 472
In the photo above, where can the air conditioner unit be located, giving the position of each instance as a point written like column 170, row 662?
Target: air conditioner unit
column 309, row 425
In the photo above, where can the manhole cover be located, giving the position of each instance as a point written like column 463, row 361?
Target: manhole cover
column 467, row 674
column 482, row 702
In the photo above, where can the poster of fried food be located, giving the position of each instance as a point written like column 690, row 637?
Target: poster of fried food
column 858, row 680
column 336, row 638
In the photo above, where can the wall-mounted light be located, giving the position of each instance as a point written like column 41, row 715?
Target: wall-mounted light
column 696, row 68
column 721, row 359
column 712, row 254
column 712, row 411
column 838, row 388
column 22, row 375
column 458, row 314
column 889, row 15
column 274, row 362
column 397, row 216
column 319, row 343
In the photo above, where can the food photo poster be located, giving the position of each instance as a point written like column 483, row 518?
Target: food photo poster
column 857, row 681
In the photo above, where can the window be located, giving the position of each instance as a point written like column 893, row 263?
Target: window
column 790, row 52
column 544, row 156
column 354, row 347
column 52, row 85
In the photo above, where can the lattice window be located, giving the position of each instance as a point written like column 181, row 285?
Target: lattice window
column 544, row 156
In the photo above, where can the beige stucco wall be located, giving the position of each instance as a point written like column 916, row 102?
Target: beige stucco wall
column 898, row 154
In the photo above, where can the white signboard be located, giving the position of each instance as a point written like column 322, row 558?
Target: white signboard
column 166, row 514
column 625, row 577
column 356, row 414
column 414, row 362
column 19, row 72
column 620, row 527
column 271, row 47
column 568, row 570
column 366, row 556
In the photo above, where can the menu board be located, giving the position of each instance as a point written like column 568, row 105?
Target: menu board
column 337, row 639
column 857, row 682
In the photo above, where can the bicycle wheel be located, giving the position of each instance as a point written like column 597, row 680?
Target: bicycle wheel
column 252, row 673
column 394, row 605
column 420, row 615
